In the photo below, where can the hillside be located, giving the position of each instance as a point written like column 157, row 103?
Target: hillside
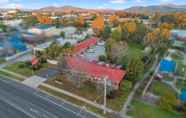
column 159, row 8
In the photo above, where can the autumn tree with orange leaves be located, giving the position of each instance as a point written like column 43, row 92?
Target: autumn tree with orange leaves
column 133, row 30
column 159, row 37
column 113, row 20
column 80, row 21
column 98, row 23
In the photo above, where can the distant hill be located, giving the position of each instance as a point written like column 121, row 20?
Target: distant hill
column 159, row 8
column 70, row 9
column 65, row 9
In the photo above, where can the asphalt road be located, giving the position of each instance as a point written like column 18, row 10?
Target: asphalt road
column 20, row 101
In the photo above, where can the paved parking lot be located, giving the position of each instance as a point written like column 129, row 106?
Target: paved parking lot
column 48, row 73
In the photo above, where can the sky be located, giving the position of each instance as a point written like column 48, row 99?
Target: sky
column 114, row 4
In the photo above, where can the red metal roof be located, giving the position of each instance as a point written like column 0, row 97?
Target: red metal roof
column 34, row 61
column 85, row 44
column 96, row 70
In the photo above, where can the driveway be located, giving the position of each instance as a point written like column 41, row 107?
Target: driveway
column 48, row 73
column 34, row 81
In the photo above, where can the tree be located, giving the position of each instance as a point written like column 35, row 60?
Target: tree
column 116, row 34
column 168, row 19
column 57, row 22
column 102, row 58
column 168, row 101
column 3, row 27
column 53, row 51
column 113, row 20
column 98, row 23
column 62, row 34
column 62, row 63
column 31, row 20
column 106, row 32
column 131, row 26
column 80, row 22
column 135, row 70
column 159, row 38
column 133, row 31
column 115, row 50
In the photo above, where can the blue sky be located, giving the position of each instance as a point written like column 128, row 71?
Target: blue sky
column 115, row 4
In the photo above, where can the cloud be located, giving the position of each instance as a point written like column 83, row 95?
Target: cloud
column 10, row 4
column 13, row 5
column 117, row 1
column 3, row 2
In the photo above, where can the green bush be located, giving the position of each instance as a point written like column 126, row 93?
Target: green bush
column 102, row 58
column 168, row 101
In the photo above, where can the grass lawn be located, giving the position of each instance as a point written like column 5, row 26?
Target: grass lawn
column 134, row 50
column 89, row 91
column 121, row 95
column 4, row 74
column 160, row 88
column 177, row 55
column 180, row 84
column 181, row 69
column 143, row 110
column 168, row 78
column 22, row 68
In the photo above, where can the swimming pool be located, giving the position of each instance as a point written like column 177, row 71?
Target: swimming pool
column 17, row 43
column 14, row 42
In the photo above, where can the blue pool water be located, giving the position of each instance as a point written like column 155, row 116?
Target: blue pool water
column 14, row 41
column 17, row 42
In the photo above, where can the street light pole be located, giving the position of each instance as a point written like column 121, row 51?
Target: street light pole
column 105, row 94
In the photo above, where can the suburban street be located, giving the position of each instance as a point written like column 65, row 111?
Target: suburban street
column 20, row 101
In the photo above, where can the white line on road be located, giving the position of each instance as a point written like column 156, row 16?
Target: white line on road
column 51, row 101
column 17, row 107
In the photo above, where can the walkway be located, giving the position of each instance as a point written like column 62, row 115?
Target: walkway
column 34, row 81
column 136, row 87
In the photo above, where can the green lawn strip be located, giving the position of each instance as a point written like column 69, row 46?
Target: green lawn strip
column 23, row 69
column 76, row 102
column 159, row 88
column 144, row 110
column 20, row 69
column 4, row 74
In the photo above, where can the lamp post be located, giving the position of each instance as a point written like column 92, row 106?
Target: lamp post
column 105, row 94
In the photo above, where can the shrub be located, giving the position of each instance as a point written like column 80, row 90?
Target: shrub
column 102, row 58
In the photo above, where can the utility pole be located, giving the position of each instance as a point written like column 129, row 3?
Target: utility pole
column 105, row 94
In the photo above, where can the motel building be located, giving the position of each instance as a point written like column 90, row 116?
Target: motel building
column 97, row 72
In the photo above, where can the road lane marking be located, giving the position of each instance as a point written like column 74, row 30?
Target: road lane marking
column 51, row 101
column 18, row 108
